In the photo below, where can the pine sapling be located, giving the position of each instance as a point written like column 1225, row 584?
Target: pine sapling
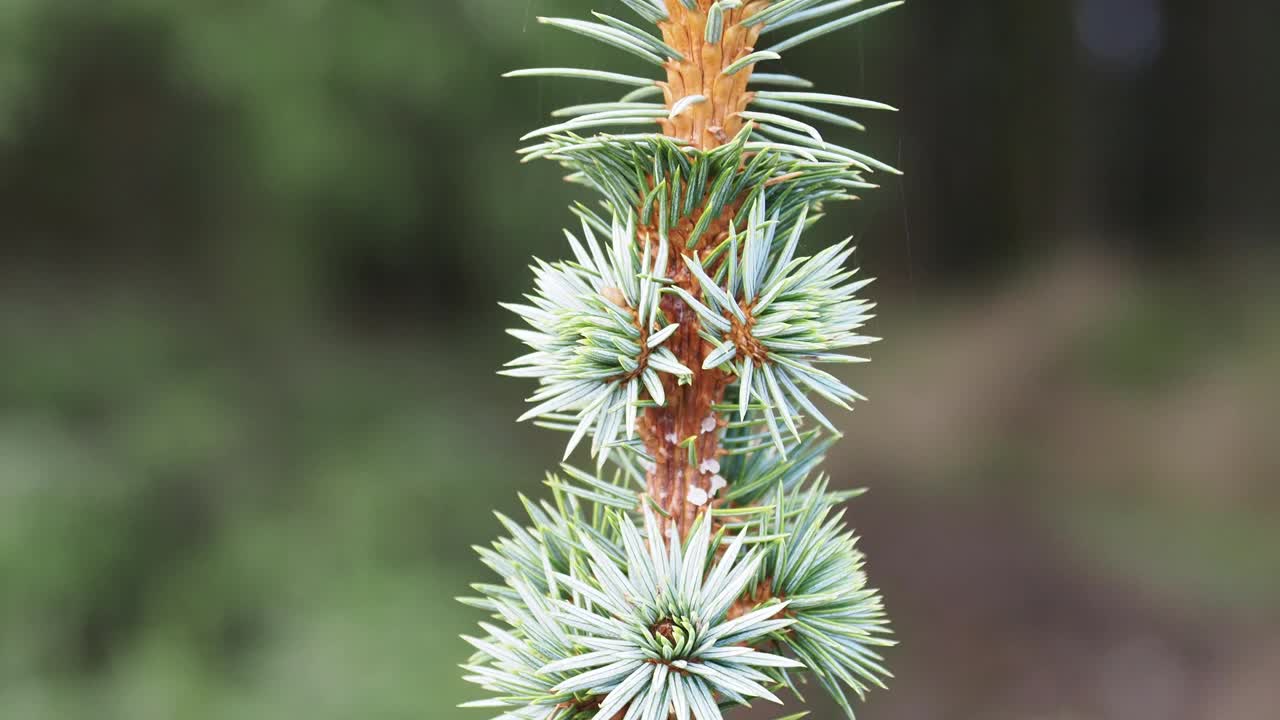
column 701, row 562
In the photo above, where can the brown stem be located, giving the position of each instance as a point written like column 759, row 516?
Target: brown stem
column 689, row 412
column 706, row 126
column 714, row 122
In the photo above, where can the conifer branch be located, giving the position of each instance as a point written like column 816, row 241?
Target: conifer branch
column 700, row 564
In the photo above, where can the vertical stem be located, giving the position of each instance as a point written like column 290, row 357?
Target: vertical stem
column 714, row 122
column 688, row 416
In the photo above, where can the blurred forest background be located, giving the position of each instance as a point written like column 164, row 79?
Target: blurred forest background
column 250, row 255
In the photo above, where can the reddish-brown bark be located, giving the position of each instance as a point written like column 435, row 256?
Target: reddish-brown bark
column 706, row 125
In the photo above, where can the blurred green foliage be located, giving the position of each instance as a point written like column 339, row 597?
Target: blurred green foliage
column 168, row 552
